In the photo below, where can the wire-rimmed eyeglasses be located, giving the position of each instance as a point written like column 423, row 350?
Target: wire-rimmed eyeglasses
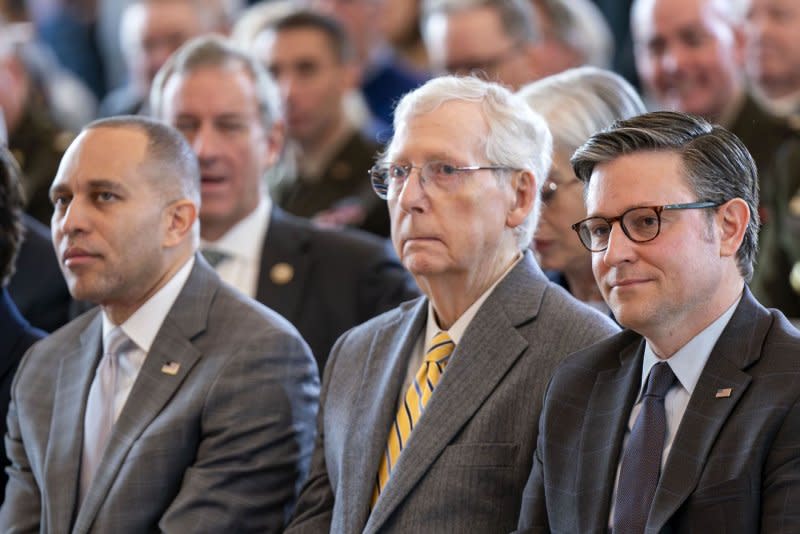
column 388, row 178
column 641, row 224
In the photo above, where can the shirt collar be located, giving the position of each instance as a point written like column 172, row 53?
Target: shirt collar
column 456, row 332
column 689, row 361
column 240, row 241
column 144, row 324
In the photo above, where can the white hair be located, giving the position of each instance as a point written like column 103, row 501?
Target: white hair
column 518, row 137
column 578, row 103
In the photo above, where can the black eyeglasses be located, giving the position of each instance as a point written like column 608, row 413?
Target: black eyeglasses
column 388, row 178
column 641, row 224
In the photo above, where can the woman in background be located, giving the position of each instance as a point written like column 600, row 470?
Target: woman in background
column 576, row 104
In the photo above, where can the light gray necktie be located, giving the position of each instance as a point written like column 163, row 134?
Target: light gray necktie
column 214, row 257
column 99, row 417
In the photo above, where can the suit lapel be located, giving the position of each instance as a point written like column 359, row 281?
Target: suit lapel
column 489, row 347
column 608, row 410
column 285, row 243
column 380, row 385
column 63, row 457
column 737, row 348
column 153, row 388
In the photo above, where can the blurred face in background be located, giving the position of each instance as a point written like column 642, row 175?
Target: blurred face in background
column 312, row 79
column 473, row 40
column 556, row 246
column 773, row 46
column 152, row 31
column 217, row 110
column 688, row 54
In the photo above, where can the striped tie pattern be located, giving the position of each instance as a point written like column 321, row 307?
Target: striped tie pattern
column 417, row 396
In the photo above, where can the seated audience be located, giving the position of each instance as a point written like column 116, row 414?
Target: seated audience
column 323, row 281
column 576, row 104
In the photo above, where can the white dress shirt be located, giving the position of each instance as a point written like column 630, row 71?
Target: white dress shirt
column 243, row 243
column 141, row 328
column 687, row 364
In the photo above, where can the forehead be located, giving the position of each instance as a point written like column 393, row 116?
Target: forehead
column 654, row 17
column 211, row 91
column 456, row 130
column 298, row 43
column 645, row 178
column 479, row 26
column 115, row 154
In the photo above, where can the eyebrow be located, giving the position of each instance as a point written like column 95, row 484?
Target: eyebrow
column 93, row 185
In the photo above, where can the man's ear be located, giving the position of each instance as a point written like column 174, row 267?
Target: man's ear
column 180, row 218
column 732, row 219
column 523, row 188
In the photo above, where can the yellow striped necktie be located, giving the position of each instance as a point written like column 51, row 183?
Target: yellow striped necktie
column 417, row 396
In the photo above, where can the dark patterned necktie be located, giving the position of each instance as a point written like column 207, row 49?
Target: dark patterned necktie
column 641, row 461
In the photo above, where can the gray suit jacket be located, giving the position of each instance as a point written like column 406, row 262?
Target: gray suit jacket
column 734, row 466
column 466, row 463
column 220, row 446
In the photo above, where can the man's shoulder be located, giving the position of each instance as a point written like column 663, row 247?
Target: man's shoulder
column 579, row 324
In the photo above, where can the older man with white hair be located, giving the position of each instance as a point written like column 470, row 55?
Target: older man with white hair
column 430, row 411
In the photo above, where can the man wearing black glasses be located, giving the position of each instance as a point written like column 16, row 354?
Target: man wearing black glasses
column 689, row 420
column 429, row 417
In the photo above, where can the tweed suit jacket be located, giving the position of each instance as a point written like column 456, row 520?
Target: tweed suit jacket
column 340, row 279
column 734, row 466
column 218, row 443
column 465, row 465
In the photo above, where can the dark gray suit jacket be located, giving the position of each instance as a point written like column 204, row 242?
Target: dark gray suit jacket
column 466, row 463
column 734, row 466
column 340, row 279
column 218, row 447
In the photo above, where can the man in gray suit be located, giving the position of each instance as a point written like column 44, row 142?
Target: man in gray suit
column 429, row 412
column 688, row 421
column 179, row 405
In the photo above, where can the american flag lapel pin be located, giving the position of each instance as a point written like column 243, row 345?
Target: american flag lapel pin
column 724, row 393
column 171, row 368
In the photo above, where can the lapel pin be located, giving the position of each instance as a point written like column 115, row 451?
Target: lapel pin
column 724, row 393
column 171, row 368
column 281, row 273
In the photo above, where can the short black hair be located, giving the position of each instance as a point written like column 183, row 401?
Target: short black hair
column 336, row 35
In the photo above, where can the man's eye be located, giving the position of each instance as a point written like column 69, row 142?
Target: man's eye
column 106, row 196
column 59, row 201
column 598, row 230
column 397, row 172
column 440, row 168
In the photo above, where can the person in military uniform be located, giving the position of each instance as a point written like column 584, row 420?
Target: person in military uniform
column 312, row 60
